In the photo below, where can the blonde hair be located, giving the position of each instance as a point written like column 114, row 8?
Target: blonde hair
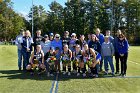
column 29, row 33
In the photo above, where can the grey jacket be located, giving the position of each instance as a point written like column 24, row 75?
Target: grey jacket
column 107, row 49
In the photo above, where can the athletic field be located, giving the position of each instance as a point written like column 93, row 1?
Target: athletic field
column 14, row 81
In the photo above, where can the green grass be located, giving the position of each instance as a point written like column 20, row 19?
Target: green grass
column 13, row 81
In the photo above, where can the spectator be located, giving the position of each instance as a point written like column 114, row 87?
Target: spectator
column 81, row 41
column 101, row 40
column 51, row 36
column 19, row 47
column 94, row 43
column 89, row 38
column 72, row 42
column 26, row 43
column 45, row 44
column 123, row 53
column 57, row 42
column 111, row 39
column 38, row 38
column 117, row 58
column 66, row 38
column 107, row 51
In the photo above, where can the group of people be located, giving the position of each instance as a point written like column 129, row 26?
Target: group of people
column 78, row 55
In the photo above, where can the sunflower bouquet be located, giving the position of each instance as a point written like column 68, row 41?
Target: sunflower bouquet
column 76, row 62
column 65, row 59
column 52, row 60
column 35, row 64
column 88, row 61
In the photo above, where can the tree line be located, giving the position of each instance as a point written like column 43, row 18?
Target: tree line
column 79, row 16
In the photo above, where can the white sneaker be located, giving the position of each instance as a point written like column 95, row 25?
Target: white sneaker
column 64, row 73
column 96, row 76
column 78, row 74
column 84, row 74
column 48, row 74
column 51, row 75
column 74, row 71
column 69, row 73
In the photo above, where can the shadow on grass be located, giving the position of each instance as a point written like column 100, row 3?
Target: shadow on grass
column 15, row 74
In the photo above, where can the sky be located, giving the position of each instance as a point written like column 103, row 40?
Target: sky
column 23, row 6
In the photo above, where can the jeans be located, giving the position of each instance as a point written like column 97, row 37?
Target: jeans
column 20, row 58
column 26, row 56
column 123, row 60
column 110, row 60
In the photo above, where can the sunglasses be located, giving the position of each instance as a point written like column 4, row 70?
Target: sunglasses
column 57, row 37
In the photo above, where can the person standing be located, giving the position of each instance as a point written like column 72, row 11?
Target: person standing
column 107, row 51
column 123, row 47
column 26, row 43
column 51, row 36
column 66, row 38
column 117, row 58
column 19, row 47
column 100, row 36
column 72, row 42
column 94, row 43
column 111, row 39
column 45, row 44
column 81, row 41
column 57, row 42
column 37, row 39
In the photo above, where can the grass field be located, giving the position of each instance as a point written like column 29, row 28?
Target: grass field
column 13, row 81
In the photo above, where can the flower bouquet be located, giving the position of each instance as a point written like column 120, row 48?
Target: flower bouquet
column 76, row 62
column 51, row 60
column 88, row 61
column 66, row 61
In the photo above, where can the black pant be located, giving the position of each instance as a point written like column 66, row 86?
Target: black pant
column 123, row 60
column 117, row 57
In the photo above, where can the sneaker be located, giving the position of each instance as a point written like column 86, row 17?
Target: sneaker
column 78, row 74
column 89, row 70
column 51, row 75
column 120, row 74
column 84, row 74
column 69, row 73
column 91, row 75
column 113, row 74
column 64, row 73
column 96, row 76
column 106, row 73
column 57, row 72
column 19, row 69
column 48, row 74
column 39, row 73
column 32, row 73
column 116, row 72
column 74, row 71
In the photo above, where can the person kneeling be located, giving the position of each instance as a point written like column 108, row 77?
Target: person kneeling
column 36, row 61
column 92, row 58
column 50, row 61
column 66, row 59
